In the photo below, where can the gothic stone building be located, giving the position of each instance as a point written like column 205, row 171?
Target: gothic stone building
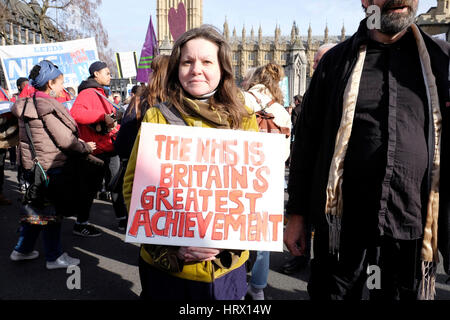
column 293, row 53
column 21, row 26
column 437, row 19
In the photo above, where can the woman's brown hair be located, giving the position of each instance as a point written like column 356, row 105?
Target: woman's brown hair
column 228, row 97
column 155, row 91
column 270, row 76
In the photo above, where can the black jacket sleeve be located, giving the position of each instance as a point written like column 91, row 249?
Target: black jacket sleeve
column 306, row 146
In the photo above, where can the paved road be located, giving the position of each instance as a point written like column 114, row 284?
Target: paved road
column 108, row 264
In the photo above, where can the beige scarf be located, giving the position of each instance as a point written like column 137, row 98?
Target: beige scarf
column 207, row 112
column 334, row 204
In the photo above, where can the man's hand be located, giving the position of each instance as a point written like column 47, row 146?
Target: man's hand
column 294, row 234
column 110, row 121
column 193, row 254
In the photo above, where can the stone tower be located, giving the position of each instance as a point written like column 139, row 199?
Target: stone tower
column 443, row 7
column 194, row 17
column 437, row 20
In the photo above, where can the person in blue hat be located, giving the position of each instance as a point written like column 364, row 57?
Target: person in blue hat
column 55, row 141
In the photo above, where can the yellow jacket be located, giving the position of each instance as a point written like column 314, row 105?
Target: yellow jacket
column 163, row 257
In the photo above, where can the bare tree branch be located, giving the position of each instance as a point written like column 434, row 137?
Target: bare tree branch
column 69, row 19
column 73, row 19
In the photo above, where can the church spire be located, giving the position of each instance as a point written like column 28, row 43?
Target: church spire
column 260, row 38
column 293, row 32
column 325, row 39
column 343, row 32
column 226, row 31
column 277, row 35
column 309, row 36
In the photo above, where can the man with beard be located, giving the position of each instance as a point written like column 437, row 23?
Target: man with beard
column 370, row 167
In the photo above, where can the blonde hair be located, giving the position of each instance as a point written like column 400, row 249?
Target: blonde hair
column 270, row 76
column 247, row 77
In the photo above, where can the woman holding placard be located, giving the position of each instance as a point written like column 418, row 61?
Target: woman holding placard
column 202, row 92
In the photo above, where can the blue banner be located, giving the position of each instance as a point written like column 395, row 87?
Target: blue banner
column 73, row 58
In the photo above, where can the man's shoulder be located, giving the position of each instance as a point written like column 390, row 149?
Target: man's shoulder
column 92, row 91
column 88, row 95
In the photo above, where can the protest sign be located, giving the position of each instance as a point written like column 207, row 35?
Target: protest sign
column 126, row 64
column 5, row 106
column 284, row 85
column 73, row 58
column 69, row 104
column 208, row 188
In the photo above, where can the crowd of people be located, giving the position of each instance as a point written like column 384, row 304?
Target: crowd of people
column 366, row 150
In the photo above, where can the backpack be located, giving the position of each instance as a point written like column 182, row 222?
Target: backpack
column 266, row 120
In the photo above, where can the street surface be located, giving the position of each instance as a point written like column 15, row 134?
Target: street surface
column 108, row 265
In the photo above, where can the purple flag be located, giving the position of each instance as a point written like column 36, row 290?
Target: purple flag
column 149, row 51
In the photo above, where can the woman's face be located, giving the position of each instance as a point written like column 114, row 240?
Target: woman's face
column 57, row 85
column 199, row 70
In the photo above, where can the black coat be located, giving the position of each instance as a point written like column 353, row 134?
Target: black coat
column 295, row 114
column 320, row 118
column 129, row 128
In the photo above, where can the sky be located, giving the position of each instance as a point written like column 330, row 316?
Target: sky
column 127, row 21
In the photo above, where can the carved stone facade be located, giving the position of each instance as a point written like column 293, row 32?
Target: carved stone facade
column 292, row 52
column 250, row 50
column 22, row 27
column 437, row 19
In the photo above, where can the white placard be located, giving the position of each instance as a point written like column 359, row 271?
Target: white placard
column 126, row 62
column 208, row 188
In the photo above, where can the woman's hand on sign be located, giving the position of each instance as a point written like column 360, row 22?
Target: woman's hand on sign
column 194, row 254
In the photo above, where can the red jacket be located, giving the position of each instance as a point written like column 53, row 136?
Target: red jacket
column 27, row 92
column 89, row 108
column 64, row 97
column 3, row 97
